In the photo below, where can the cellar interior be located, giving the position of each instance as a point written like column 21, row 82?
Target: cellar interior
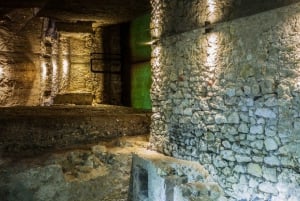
column 150, row 100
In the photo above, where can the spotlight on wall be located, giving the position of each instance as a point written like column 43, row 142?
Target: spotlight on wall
column 65, row 67
column 152, row 42
column 211, row 6
column 212, row 13
column 1, row 72
column 55, row 66
column 43, row 70
column 212, row 51
column 54, row 73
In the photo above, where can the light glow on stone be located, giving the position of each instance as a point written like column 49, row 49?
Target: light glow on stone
column 55, row 67
column 157, row 21
column 211, row 6
column 43, row 70
column 212, row 11
column 212, row 51
column 156, row 57
column 1, row 72
column 54, row 73
column 156, row 51
column 66, row 67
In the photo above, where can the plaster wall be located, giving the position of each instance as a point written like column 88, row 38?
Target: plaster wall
column 228, row 97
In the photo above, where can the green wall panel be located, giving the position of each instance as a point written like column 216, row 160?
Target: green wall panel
column 140, row 38
column 140, row 68
column 140, row 85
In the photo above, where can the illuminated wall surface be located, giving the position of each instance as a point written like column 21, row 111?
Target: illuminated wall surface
column 140, row 38
column 20, row 62
column 229, row 96
column 140, row 62
column 35, row 70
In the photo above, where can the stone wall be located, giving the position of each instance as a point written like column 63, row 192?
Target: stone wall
column 39, row 62
column 67, row 68
column 227, row 96
column 19, row 59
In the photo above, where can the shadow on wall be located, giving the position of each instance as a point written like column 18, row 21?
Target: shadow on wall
column 111, row 66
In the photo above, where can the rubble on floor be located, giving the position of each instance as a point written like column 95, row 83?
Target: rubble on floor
column 122, row 169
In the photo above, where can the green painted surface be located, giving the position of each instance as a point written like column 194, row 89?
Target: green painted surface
column 140, row 38
column 140, row 51
column 140, row 85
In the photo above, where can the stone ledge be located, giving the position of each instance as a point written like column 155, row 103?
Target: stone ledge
column 36, row 129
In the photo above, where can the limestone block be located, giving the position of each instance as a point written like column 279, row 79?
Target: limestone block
column 233, row 118
column 270, row 132
column 228, row 155
column 254, row 169
column 272, row 161
column 267, row 86
column 258, row 129
column 239, row 169
column 244, row 117
column 226, row 144
column 270, row 174
column 261, row 121
column 218, row 162
column 197, row 192
column 290, row 149
column 230, row 92
column 258, row 144
column 220, row 119
column 271, row 144
column 242, row 158
column 271, row 102
column 268, row 187
column 265, row 112
column 231, row 130
column 255, row 89
column 253, row 183
column 243, row 128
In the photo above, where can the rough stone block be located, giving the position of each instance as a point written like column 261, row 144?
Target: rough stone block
column 73, row 98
